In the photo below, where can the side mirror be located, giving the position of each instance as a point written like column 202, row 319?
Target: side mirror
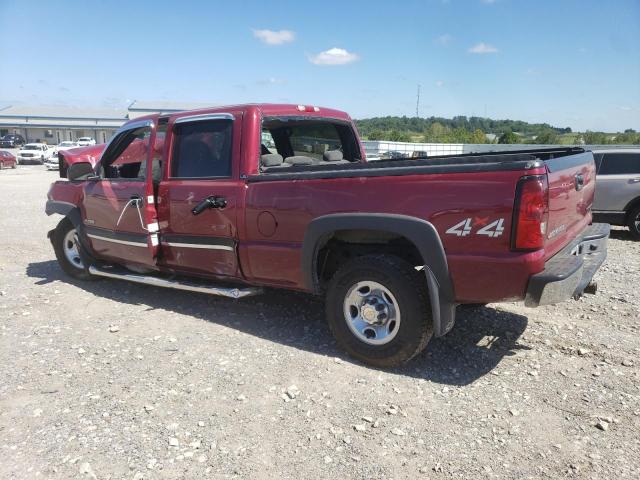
column 81, row 171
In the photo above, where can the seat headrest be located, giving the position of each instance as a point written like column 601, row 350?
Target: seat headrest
column 332, row 156
column 271, row 160
column 299, row 160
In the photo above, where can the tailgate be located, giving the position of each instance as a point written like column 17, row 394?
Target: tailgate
column 572, row 182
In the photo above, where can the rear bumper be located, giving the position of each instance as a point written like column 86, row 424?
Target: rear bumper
column 569, row 272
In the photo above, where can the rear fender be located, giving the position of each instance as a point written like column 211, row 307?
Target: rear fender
column 420, row 232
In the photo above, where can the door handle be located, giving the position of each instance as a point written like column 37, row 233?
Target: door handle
column 209, row 202
column 135, row 201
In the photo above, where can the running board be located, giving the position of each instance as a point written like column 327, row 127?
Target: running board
column 175, row 284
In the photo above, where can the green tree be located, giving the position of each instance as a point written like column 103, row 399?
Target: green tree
column 594, row 138
column 398, row 136
column 547, row 137
column 508, row 137
column 376, row 135
column 478, row 136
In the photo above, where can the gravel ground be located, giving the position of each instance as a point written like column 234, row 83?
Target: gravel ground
column 112, row 380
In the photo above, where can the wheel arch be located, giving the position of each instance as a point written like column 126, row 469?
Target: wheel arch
column 420, row 233
column 632, row 205
column 66, row 209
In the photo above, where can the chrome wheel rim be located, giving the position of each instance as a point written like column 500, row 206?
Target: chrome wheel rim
column 372, row 313
column 637, row 222
column 70, row 248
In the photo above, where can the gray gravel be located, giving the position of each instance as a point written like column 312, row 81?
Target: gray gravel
column 110, row 380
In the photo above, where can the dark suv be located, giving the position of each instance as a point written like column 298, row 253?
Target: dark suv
column 12, row 140
column 618, row 188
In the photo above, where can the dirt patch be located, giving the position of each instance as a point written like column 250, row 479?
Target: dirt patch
column 111, row 380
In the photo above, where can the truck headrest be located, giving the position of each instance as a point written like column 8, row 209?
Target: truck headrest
column 332, row 156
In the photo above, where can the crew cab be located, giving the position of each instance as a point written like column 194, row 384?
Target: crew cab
column 231, row 200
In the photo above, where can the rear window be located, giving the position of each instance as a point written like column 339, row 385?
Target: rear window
column 620, row 164
column 289, row 142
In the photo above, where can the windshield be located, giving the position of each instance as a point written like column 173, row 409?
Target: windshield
column 67, row 144
column 85, row 139
column 32, row 147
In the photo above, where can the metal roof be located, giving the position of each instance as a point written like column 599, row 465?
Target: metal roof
column 166, row 106
column 62, row 112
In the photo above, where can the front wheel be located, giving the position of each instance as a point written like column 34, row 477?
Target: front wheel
column 634, row 223
column 67, row 249
column 378, row 310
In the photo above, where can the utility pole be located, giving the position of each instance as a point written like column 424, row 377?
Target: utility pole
column 418, row 102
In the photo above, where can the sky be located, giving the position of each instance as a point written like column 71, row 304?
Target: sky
column 569, row 63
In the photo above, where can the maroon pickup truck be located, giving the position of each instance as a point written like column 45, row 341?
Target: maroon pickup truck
column 229, row 200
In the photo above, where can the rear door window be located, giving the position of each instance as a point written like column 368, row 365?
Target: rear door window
column 202, row 149
column 620, row 164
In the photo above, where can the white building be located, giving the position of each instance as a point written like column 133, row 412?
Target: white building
column 54, row 124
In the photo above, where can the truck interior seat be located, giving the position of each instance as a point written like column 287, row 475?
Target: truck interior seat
column 299, row 160
column 271, row 160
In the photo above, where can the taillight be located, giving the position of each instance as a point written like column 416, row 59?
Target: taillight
column 531, row 213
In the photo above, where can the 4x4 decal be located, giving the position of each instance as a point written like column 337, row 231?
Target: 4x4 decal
column 466, row 226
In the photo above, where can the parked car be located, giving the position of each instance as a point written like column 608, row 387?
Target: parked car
column 66, row 145
column 12, row 140
column 419, row 154
column 617, row 198
column 33, row 153
column 393, row 247
column 392, row 155
column 86, row 141
column 52, row 163
column 7, row 160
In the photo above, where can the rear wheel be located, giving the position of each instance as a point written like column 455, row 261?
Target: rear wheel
column 67, row 249
column 378, row 310
column 634, row 223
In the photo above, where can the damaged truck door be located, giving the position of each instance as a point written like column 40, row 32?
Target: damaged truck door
column 118, row 206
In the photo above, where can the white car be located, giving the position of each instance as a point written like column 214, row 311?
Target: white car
column 86, row 141
column 66, row 145
column 52, row 163
column 33, row 153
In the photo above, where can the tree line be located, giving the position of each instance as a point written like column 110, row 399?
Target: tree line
column 462, row 129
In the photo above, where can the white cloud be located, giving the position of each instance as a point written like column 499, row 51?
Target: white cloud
column 333, row 56
column 482, row 48
column 444, row 40
column 439, row 83
column 272, row 37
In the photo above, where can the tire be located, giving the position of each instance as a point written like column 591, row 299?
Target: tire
column 62, row 235
column 404, row 299
column 15, row 165
column 633, row 223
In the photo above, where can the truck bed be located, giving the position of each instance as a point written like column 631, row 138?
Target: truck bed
column 471, row 162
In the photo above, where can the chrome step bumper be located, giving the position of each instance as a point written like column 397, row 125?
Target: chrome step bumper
column 191, row 286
